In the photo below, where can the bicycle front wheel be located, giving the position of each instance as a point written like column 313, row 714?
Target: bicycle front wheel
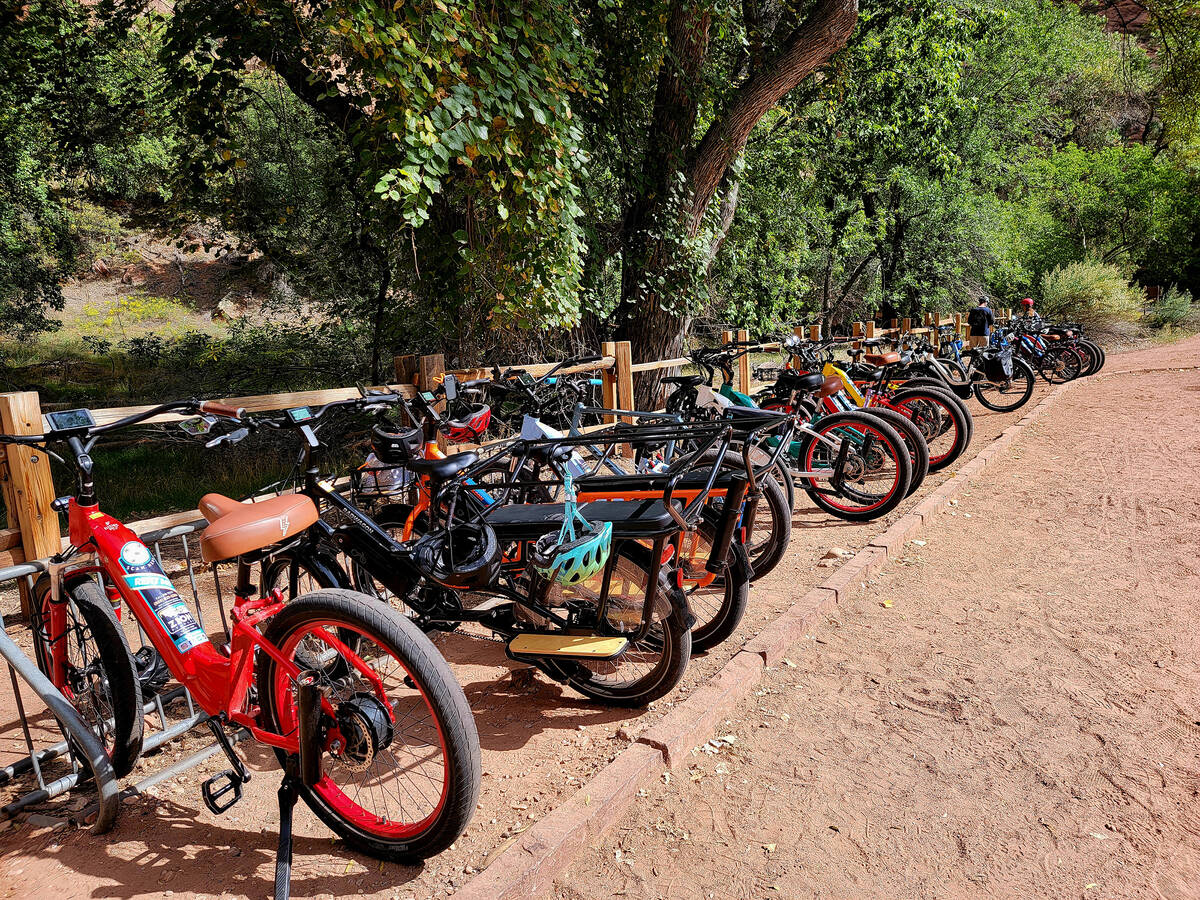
column 717, row 602
column 767, row 544
column 88, row 659
column 402, row 782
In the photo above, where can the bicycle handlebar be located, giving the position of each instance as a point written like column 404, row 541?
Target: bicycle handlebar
column 92, row 431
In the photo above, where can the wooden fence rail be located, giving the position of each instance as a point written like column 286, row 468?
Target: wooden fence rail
column 33, row 527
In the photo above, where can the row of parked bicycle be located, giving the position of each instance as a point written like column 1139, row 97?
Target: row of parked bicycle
column 601, row 546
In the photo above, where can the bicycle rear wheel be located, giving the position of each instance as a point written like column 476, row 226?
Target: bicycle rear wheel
column 90, row 662
column 651, row 667
column 1007, row 396
column 940, row 418
column 918, row 450
column 877, row 467
column 1059, row 365
column 404, row 781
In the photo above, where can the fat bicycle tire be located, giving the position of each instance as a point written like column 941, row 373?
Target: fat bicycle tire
column 428, row 675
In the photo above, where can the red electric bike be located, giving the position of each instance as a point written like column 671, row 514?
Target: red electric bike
column 365, row 715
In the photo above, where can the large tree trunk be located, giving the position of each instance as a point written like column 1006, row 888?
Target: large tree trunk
column 655, row 332
column 653, row 314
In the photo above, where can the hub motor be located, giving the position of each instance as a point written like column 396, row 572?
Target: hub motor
column 366, row 725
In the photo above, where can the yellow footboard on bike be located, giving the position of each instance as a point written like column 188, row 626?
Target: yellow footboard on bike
column 579, row 646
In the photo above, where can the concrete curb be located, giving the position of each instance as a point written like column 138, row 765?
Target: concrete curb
column 527, row 869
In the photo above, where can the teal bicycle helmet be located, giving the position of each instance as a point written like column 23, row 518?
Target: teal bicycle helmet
column 569, row 557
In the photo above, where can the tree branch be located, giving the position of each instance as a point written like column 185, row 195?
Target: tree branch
column 809, row 46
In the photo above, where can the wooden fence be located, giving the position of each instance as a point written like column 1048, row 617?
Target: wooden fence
column 33, row 531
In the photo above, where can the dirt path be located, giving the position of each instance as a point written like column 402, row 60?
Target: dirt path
column 540, row 743
column 1010, row 710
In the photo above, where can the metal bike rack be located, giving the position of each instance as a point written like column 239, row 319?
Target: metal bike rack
column 98, row 773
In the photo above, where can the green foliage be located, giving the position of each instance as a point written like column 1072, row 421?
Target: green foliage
column 1109, row 203
column 79, row 118
column 958, row 150
column 472, row 99
column 458, row 154
column 1093, row 293
column 1173, row 307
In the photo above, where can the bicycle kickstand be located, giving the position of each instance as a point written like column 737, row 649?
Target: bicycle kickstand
column 303, row 769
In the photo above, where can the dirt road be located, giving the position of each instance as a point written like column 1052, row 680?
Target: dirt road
column 1010, row 710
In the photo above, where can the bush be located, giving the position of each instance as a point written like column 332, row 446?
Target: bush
column 1173, row 307
column 1093, row 293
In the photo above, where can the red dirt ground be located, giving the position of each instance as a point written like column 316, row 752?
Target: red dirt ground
column 539, row 744
column 1012, row 709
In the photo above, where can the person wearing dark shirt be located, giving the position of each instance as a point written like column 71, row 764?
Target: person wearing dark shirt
column 981, row 319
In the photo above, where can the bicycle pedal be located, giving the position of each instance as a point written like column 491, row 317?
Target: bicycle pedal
column 220, row 786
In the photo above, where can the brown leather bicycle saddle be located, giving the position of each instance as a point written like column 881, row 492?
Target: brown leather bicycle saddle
column 882, row 359
column 238, row 528
column 831, row 385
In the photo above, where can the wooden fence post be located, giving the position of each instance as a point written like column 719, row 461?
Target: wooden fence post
column 623, row 369
column 905, row 326
column 608, row 379
column 29, row 485
column 743, row 336
column 856, row 332
column 430, row 372
column 814, row 332
column 957, row 324
column 869, row 329
column 406, row 369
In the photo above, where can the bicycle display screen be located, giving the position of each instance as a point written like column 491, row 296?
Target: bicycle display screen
column 428, row 397
column 70, row 419
column 300, row 414
column 526, row 379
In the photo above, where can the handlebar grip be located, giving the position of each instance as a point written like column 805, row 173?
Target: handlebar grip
column 217, row 408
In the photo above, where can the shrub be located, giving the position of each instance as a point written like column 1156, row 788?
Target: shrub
column 1173, row 307
column 1096, row 294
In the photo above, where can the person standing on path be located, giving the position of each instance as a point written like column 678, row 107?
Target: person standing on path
column 1029, row 315
column 980, row 321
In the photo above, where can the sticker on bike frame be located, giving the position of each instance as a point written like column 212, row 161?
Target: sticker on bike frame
column 134, row 553
column 144, row 575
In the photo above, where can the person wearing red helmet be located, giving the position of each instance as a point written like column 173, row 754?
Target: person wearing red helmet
column 1029, row 314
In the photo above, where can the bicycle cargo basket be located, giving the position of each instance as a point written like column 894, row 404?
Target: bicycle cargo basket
column 373, row 478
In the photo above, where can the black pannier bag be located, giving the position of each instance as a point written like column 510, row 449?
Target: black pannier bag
column 997, row 364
